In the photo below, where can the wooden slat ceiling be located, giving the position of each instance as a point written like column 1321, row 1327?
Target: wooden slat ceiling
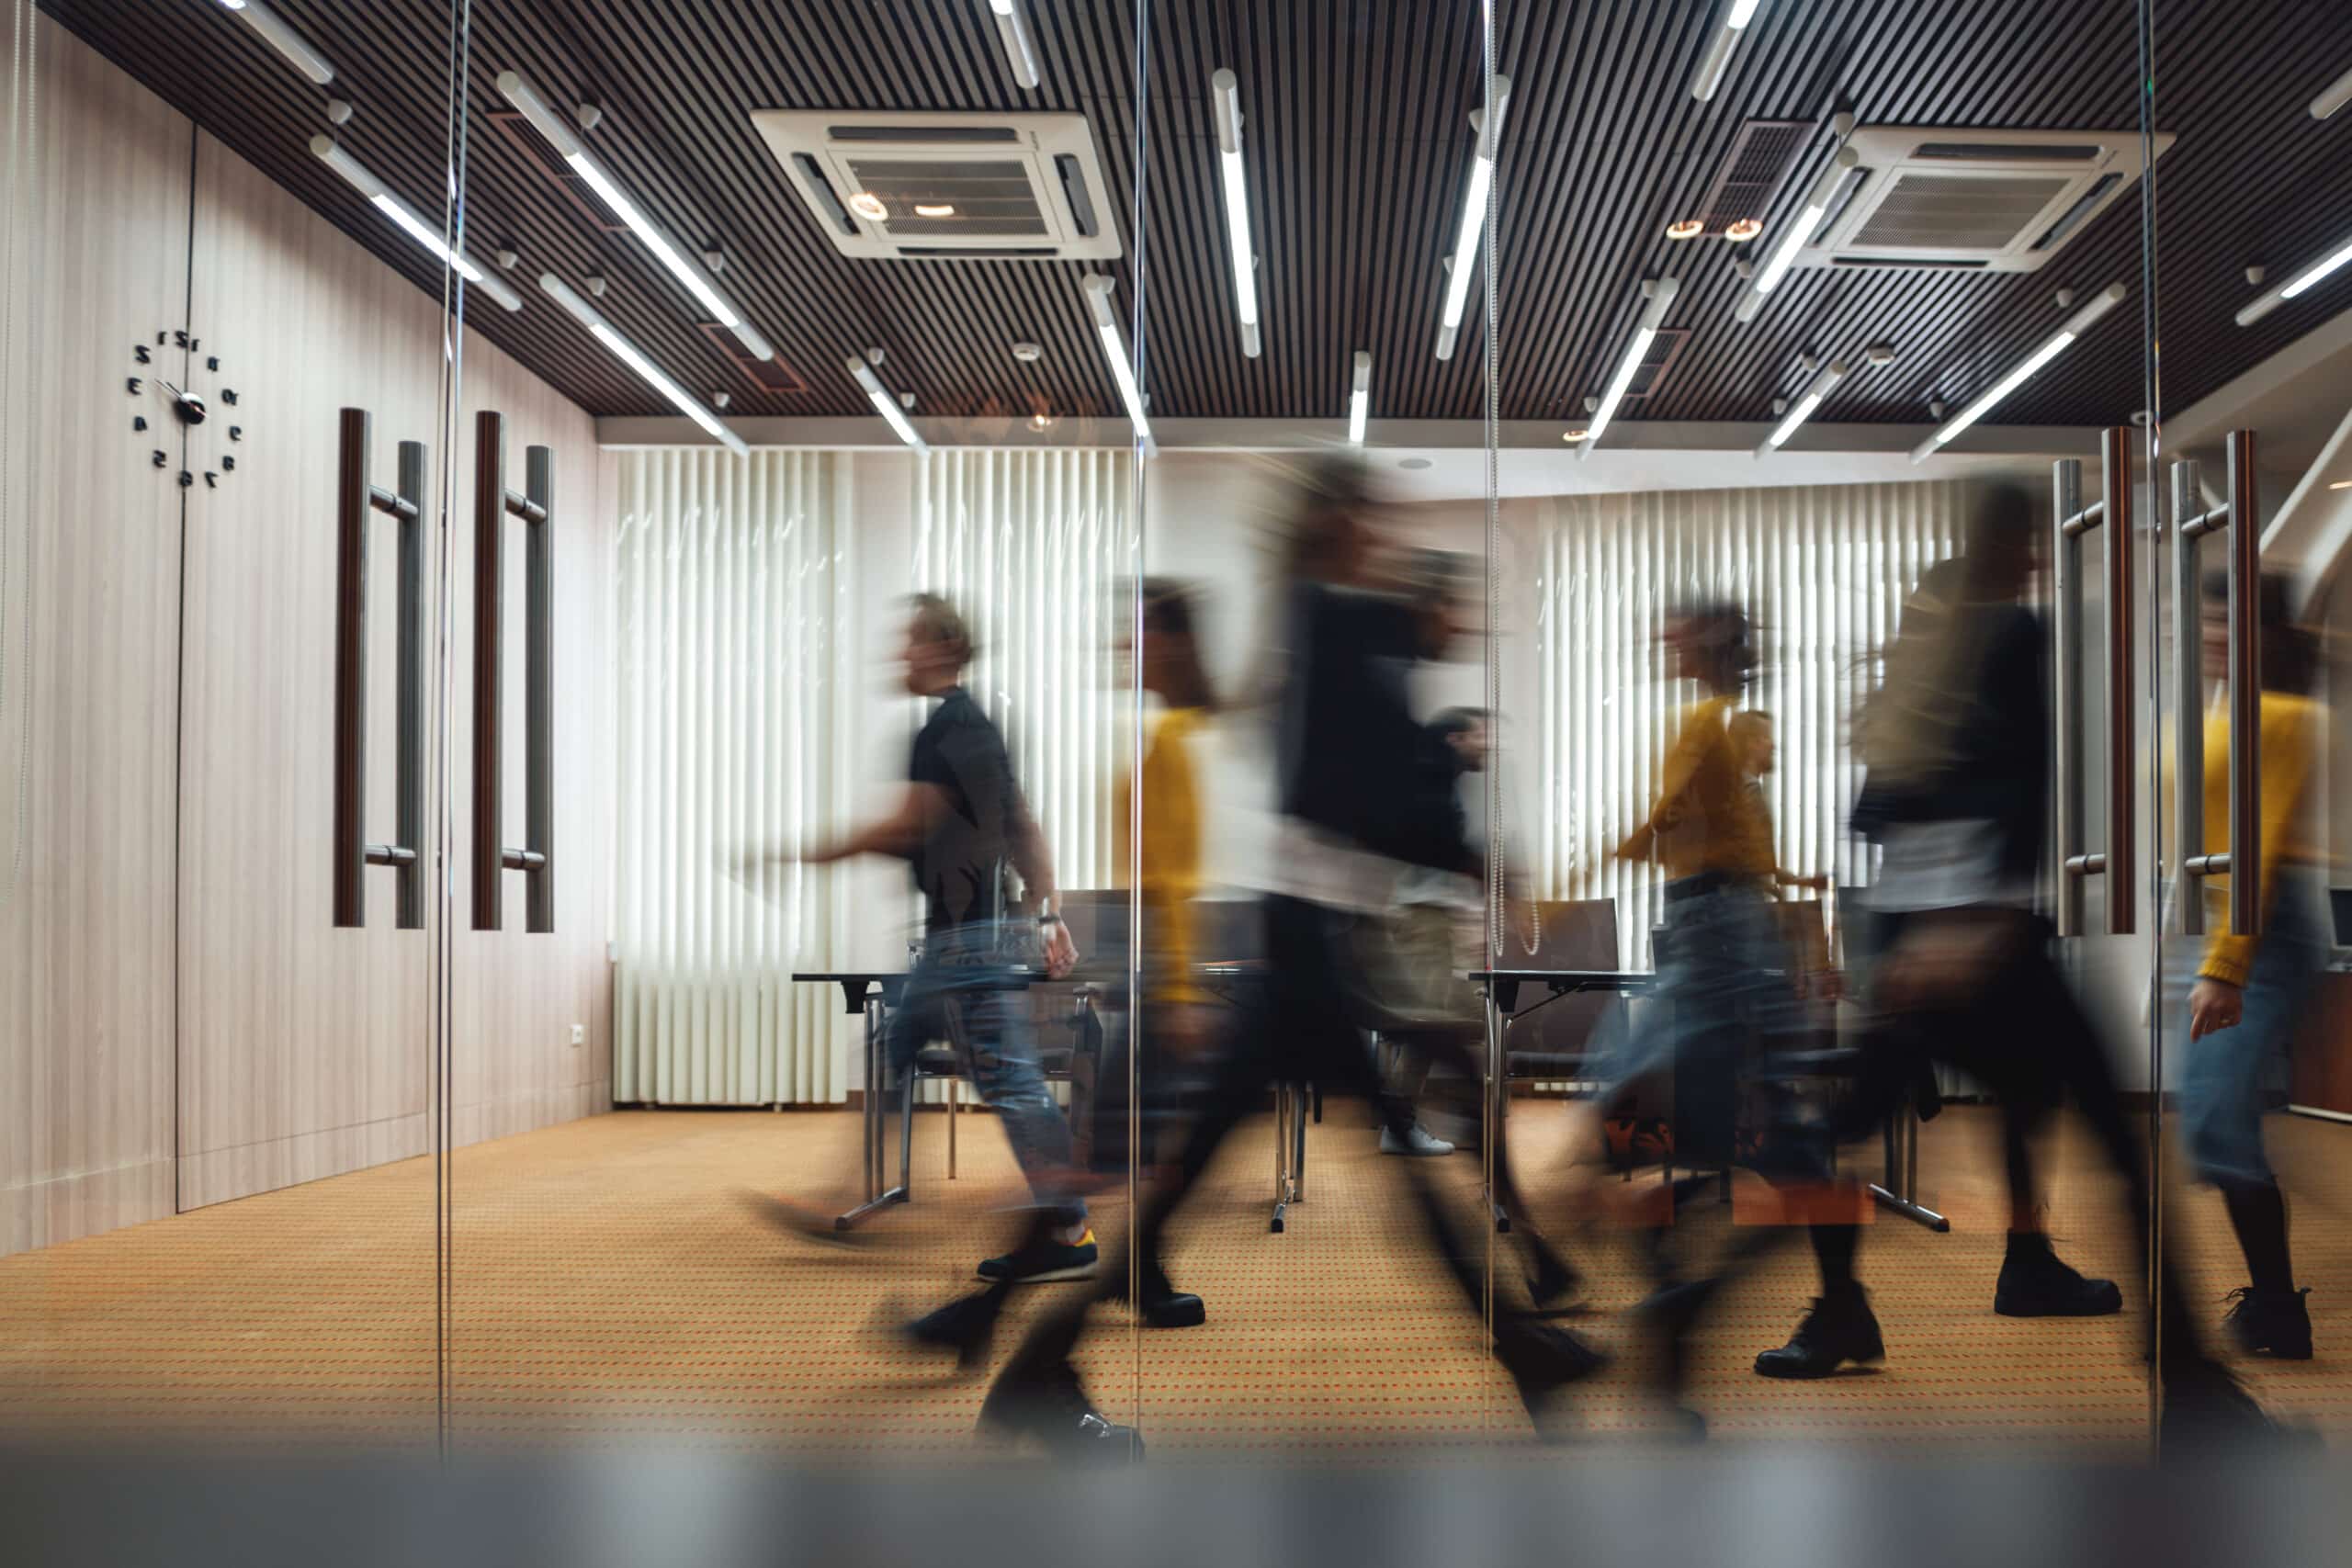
column 1358, row 147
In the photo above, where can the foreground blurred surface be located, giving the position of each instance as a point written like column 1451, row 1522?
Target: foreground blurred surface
column 1822, row 1508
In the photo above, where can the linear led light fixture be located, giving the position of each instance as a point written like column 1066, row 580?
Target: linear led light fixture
column 1710, row 74
column 1225, row 98
column 1816, row 204
column 279, row 35
column 627, row 353
column 2308, row 278
column 1020, row 49
column 1114, row 349
column 1660, row 295
column 330, row 153
column 2337, row 94
column 1490, row 127
column 1359, row 397
column 519, row 92
column 1821, row 387
column 2081, row 322
column 884, row 404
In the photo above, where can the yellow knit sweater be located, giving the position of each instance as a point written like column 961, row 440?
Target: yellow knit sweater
column 2291, row 730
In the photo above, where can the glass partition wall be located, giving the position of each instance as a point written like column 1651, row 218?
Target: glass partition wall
column 231, row 321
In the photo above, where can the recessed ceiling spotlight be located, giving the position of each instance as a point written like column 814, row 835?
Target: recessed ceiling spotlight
column 1879, row 354
column 1412, row 462
column 934, row 209
column 1687, row 228
column 1042, row 422
column 1742, row 230
column 867, row 205
column 1575, row 433
column 1027, row 353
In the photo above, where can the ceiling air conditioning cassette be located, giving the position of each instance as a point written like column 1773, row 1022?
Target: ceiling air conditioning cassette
column 947, row 186
column 1972, row 201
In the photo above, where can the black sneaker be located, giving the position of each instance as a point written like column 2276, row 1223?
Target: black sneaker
column 2036, row 1282
column 1051, row 1405
column 1045, row 1262
column 1839, row 1328
column 2271, row 1322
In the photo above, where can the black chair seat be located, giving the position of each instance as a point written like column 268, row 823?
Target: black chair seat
column 1543, row 1065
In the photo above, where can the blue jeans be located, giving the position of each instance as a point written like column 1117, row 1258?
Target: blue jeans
column 972, row 968
column 2223, row 1075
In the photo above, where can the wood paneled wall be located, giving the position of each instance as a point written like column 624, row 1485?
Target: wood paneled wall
column 179, row 1021
column 92, row 536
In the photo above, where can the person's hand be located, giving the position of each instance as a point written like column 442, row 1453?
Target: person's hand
column 2214, row 1005
column 1062, row 953
column 1817, row 883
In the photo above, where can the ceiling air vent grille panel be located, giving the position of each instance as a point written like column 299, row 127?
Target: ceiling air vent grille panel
column 1752, row 176
column 1986, row 200
column 945, row 186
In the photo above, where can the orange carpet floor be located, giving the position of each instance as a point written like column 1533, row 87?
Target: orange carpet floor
column 609, row 1286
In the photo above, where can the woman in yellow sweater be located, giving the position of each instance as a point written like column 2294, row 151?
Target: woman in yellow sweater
column 2249, row 992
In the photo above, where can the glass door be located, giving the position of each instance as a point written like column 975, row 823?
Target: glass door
column 2245, row 495
column 231, row 319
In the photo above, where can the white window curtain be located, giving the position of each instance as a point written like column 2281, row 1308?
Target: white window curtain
column 1824, row 570
column 1036, row 549
column 739, row 669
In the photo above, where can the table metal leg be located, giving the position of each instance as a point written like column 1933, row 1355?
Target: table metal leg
column 1903, row 1169
column 877, row 1197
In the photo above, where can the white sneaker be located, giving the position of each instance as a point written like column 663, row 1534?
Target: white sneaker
column 1416, row 1141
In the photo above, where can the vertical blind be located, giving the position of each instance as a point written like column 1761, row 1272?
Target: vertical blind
column 737, row 675
column 1036, row 549
column 743, row 707
column 1824, row 570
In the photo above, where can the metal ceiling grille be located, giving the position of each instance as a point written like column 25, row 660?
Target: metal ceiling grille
column 944, row 198
column 1953, row 213
column 1358, row 147
column 1658, row 364
column 525, row 135
column 1752, row 176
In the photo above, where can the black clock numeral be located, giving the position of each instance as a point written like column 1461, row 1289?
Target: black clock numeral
column 179, row 338
column 236, row 432
column 194, row 343
column 187, row 478
column 229, row 464
column 211, row 479
column 139, row 422
column 159, row 339
column 229, row 396
column 139, row 352
column 162, row 460
column 133, row 383
column 212, row 362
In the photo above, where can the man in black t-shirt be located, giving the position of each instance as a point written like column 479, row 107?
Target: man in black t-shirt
column 966, row 833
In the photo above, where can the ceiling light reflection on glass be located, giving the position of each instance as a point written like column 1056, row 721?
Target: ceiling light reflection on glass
column 535, row 108
column 1359, row 397
column 1225, row 98
column 2081, row 322
column 1473, row 217
column 326, row 149
column 1114, row 351
column 1660, row 296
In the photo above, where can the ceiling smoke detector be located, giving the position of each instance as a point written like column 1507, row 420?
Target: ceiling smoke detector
column 1027, row 353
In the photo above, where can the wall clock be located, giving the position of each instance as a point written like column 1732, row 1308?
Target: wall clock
column 204, row 415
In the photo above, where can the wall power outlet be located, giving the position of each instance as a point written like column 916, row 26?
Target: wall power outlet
column 580, row 1034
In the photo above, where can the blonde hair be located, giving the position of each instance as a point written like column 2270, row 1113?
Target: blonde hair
column 937, row 620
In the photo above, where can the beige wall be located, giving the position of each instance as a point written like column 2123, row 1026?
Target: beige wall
column 179, row 1021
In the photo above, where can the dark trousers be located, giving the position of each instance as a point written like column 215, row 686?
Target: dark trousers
column 1306, row 1025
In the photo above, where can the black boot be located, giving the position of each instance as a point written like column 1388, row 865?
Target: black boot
column 2271, row 1322
column 1839, row 1328
column 1165, row 1306
column 2035, row 1282
column 1050, row 1405
column 2206, row 1413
